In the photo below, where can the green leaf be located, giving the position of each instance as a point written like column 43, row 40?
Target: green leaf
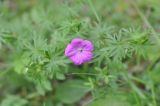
column 43, row 87
column 60, row 76
column 111, row 100
column 71, row 91
column 11, row 100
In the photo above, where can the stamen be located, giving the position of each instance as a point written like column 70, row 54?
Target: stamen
column 80, row 49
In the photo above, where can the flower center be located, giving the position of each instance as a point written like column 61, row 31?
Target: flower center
column 80, row 49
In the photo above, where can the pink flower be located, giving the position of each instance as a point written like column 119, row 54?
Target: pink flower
column 79, row 51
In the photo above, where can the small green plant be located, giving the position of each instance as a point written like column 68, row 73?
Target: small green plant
column 121, row 70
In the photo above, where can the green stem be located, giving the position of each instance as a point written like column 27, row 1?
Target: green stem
column 153, row 95
column 83, row 74
column 153, row 64
column 94, row 11
column 133, row 86
column 145, row 20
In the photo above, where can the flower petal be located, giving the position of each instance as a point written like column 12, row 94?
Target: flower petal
column 70, row 51
column 77, row 59
column 80, row 58
column 77, row 42
column 87, row 45
column 87, row 56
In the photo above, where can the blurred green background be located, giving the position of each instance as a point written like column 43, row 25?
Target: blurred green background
column 125, row 70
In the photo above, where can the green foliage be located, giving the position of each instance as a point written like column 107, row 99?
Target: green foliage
column 112, row 100
column 123, row 72
column 12, row 100
column 71, row 91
